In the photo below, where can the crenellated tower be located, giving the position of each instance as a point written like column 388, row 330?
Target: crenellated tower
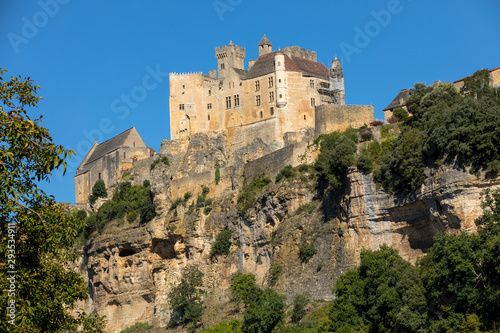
column 229, row 56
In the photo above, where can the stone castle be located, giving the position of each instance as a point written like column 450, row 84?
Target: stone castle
column 284, row 96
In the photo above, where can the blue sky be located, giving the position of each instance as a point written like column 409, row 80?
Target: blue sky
column 88, row 56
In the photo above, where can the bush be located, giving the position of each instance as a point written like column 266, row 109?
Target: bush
column 275, row 271
column 248, row 197
column 392, row 120
column 234, row 326
column 259, row 260
column 131, row 216
column 187, row 196
column 92, row 199
column 364, row 163
column 207, row 210
column 244, row 288
column 286, row 172
column 99, row 189
column 306, row 207
column 217, row 176
column 177, row 202
column 376, row 122
column 265, row 313
column 205, row 190
column 222, row 243
column 306, row 251
column 146, row 183
column 303, row 168
column 400, row 113
column 163, row 160
column 137, row 328
column 366, row 135
column 81, row 214
column 185, row 298
column 300, row 302
column 336, row 156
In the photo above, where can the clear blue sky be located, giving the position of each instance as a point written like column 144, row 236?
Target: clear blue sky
column 87, row 55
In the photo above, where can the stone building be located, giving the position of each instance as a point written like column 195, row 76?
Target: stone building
column 398, row 101
column 106, row 161
column 494, row 79
column 276, row 94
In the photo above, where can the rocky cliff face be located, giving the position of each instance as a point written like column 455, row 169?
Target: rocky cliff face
column 132, row 268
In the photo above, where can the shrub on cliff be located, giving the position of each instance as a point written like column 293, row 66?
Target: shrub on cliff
column 222, row 243
column 185, row 299
column 248, row 197
column 286, row 172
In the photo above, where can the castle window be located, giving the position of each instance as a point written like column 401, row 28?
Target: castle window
column 236, row 100
column 271, row 82
column 279, row 80
column 228, row 102
column 222, row 66
column 99, row 175
column 261, row 114
column 272, row 110
column 257, row 100
column 181, row 107
column 209, row 92
column 134, row 144
column 124, row 155
column 281, row 96
column 304, row 117
column 208, row 117
column 313, row 102
column 209, row 106
column 183, row 86
column 311, row 83
column 257, row 85
column 271, row 97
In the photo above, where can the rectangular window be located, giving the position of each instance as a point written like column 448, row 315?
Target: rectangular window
column 228, row 102
column 313, row 102
column 236, row 100
column 181, row 107
column 209, row 106
column 209, row 117
column 257, row 100
column 257, row 85
column 272, row 111
column 222, row 66
column 209, row 92
column 311, row 83
column 271, row 82
column 271, row 97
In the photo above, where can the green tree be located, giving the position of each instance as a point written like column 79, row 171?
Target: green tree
column 99, row 189
column 36, row 234
column 263, row 314
column 384, row 294
column 244, row 288
column 186, row 298
column 300, row 302
column 217, row 176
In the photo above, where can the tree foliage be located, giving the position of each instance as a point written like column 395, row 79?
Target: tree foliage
column 336, row 155
column 38, row 246
column 263, row 314
column 222, row 243
column 186, row 298
column 244, row 288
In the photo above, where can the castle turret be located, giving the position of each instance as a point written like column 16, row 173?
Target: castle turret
column 265, row 46
column 281, row 98
column 337, row 81
column 229, row 56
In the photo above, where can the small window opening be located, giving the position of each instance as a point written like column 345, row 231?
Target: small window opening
column 261, row 114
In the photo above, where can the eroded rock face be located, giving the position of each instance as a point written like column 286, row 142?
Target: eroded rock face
column 132, row 270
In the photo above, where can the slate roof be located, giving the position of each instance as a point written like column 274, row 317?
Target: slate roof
column 104, row 148
column 265, row 65
column 403, row 94
column 265, row 41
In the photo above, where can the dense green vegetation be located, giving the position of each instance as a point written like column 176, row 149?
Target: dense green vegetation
column 337, row 154
column 127, row 201
column 222, row 243
column 446, row 127
column 306, row 251
column 248, row 197
column 186, row 298
column 138, row 328
column 286, row 172
column 163, row 160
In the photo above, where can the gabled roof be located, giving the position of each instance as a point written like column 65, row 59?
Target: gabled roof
column 265, row 65
column 265, row 41
column 103, row 149
column 401, row 97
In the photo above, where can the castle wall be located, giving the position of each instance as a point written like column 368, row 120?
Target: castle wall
column 240, row 136
column 333, row 117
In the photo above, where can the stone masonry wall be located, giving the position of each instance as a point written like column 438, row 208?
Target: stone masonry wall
column 330, row 118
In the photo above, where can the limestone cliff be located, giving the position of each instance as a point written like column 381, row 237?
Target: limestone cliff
column 131, row 268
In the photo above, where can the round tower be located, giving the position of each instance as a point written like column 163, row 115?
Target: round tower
column 279, row 61
column 265, row 46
